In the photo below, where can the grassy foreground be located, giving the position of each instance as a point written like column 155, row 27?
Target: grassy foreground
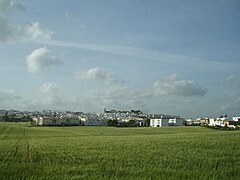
column 117, row 153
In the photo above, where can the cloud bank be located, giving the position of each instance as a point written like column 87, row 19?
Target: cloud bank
column 6, row 95
column 97, row 74
column 173, row 86
column 123, row 97
column 40, row 59
column 6, row 6
column 35, row 31
column 14, row 32
column 52, row 101
column 49, row 88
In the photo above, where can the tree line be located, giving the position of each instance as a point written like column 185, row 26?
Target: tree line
column 130, row 123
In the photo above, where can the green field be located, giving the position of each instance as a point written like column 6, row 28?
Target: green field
column 117, row 153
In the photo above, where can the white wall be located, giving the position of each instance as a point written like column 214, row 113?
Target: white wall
column 160, row 122
column 236, row 118
column 53, row 121
column 156, row 122
column 212, row 122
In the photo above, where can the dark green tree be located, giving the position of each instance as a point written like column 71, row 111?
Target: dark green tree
column 4, row 118
column 115, row 122
column 27, row 118
column 131, row 123
column 110, row 122
column 147, row 122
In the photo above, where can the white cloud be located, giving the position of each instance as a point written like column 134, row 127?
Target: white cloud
column 49, row 88
column 230, row 104
column 232, row 79
column 35, row 31
column 14, row 32
column 172, row 86
column 40, row 59
column 52, row 101
column 123, row 97
column 123, row 92
column 6, row 95
column 6, row 6
column 97, row 74
column 8, row 31
column 5, row 30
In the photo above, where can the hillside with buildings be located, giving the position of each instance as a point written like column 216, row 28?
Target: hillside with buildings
column 120, row 118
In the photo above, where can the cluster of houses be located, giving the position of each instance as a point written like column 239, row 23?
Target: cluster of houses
column 68, row 118
column 222, row 121
column 15, row 115
column 121, row 118
column 51, row 118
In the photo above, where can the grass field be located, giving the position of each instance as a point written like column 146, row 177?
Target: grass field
column 117, row 153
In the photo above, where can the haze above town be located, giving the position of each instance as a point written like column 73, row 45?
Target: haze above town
column 171, row 57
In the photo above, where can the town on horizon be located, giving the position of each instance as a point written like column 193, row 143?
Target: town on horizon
column 113, row 118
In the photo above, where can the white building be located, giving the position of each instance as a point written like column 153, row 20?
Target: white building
column 93, row 120
column 158, row 122
column 70, row 120
column 47, row 121
column 56, row 121
column 236, row 118
column 212, row 122
column 217, row 121
column 166, row 120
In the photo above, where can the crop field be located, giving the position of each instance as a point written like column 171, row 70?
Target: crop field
column 117, row 153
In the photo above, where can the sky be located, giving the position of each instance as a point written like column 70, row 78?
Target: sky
column 179, row 57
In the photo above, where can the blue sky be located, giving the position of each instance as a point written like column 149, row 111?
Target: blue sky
column 172, row 57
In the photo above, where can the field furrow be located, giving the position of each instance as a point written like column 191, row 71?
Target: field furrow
column 2, row 129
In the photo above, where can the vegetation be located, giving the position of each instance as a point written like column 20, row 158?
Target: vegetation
column 15, row 119
column 112, row 123
column 4, row 118
column 117, row 153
